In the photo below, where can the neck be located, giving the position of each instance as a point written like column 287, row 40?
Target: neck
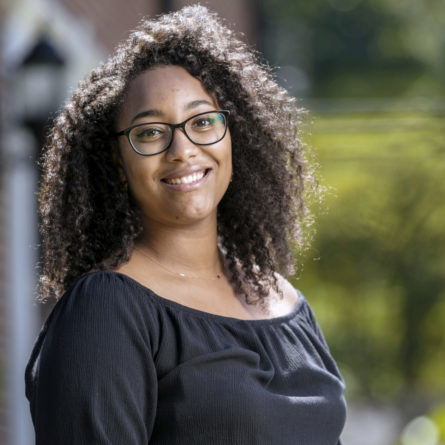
column 189, row 249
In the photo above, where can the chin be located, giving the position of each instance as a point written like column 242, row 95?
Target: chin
column 195, row 213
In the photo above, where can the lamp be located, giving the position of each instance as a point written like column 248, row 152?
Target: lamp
column 39, row 86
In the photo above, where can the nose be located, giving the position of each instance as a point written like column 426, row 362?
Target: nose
column 181, row 147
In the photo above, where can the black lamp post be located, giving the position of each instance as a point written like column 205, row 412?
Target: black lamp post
column 40, row 90
column 40, row 87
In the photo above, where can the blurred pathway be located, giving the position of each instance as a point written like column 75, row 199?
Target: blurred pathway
column 371, row 425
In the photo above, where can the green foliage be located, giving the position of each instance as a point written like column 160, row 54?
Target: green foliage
column 360, row 48
column 376, row 274
column 437, row 415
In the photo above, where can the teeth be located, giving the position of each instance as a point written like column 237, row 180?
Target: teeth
column 186, row 179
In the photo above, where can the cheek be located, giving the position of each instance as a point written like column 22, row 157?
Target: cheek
column 139, row 173
column 225, row 170
column 228, row 160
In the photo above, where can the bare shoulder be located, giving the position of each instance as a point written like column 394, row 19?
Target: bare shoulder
column 283, row 302
column 289, row 292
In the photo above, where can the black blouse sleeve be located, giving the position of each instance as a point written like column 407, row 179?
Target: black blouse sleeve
column 94, row 375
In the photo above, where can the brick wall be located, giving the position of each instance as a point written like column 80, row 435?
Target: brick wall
column 112, row 20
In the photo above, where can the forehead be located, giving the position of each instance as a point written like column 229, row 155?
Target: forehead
column 164, row 85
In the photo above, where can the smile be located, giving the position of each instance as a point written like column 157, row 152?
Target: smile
column 189, row 179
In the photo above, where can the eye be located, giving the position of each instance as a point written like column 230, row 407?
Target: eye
column 147, row 133
column 201, row 122
column 207, row 121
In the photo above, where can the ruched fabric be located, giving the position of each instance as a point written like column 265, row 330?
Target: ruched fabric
column 117, row 364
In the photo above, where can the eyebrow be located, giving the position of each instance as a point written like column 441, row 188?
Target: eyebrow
column 196, row 103
column 146, row 113
column 156, row 112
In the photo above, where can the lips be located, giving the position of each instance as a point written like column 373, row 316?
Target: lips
column 186, row 177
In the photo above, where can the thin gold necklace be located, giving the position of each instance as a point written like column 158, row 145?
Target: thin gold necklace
column 179, row 274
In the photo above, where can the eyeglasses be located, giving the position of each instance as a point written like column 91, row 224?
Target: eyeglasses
column 156, row 137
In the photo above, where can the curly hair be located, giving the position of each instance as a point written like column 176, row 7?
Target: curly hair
column 90, row 222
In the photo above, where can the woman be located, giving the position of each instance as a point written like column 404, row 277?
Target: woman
column 172, row 192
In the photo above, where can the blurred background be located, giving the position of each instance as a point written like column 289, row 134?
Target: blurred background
column 371, row 73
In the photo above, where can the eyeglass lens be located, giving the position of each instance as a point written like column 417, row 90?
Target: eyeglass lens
column 203, row 129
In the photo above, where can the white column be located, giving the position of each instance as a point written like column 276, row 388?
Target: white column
column 20, row 276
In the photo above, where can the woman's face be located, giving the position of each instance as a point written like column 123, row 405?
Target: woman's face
column 161, row 183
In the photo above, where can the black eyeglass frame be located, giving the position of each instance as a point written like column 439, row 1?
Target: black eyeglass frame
column 173, row 127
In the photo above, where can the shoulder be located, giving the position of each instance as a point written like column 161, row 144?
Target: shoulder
column 95, row 320
column 103, row 302
column 284, row 299
column 102, row 287
column 289, row 294
column 292, row 297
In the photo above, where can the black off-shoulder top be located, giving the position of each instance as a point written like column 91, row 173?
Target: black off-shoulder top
column 117, row 364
